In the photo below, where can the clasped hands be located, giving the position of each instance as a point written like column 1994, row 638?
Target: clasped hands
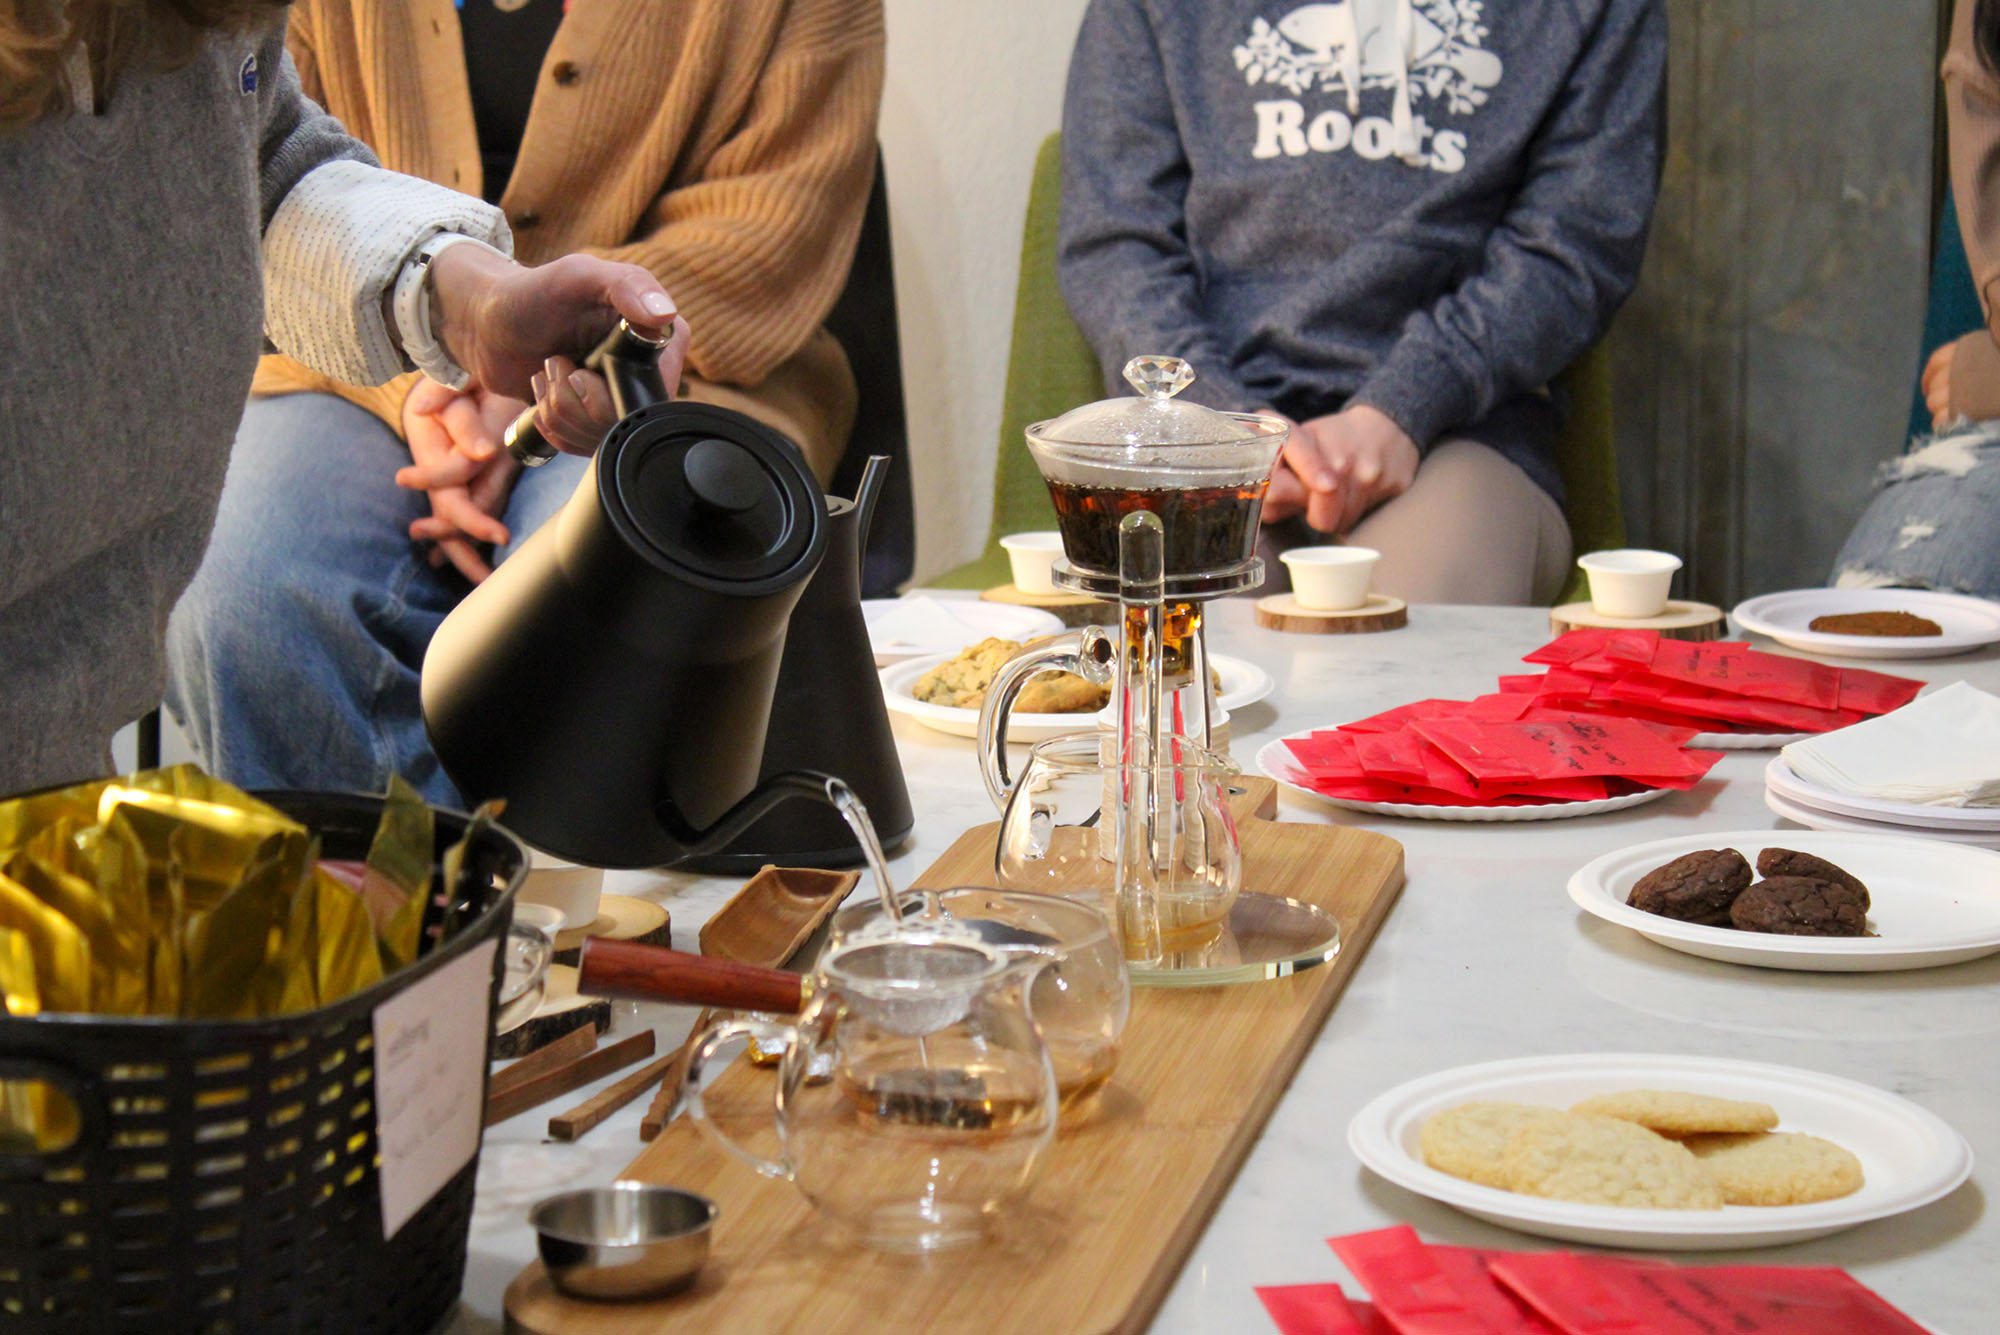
column 509, row 327
column 1337, row 468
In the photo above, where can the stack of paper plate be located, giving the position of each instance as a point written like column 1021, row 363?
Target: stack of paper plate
column 1822, row 808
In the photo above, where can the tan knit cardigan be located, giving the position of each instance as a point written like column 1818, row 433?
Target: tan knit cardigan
column 727, row 145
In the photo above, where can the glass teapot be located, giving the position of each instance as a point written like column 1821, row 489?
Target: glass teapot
column 1158, row 502
column 915, row 1099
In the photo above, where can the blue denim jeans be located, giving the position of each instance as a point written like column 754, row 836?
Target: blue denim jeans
column 1935, row 523
column 292, row 658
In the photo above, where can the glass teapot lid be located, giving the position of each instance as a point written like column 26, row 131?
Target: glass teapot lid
column 1155, row 439
column 1155, row 417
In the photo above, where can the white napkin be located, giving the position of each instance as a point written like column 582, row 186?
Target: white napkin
column 917, row 625
column 1941, row 749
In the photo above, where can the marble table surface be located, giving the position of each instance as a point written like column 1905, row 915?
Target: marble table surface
column 1484, row 957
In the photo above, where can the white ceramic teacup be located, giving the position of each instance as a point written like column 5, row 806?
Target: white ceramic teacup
column 570, row 890
column 1331, row 579
column 1630, row 581
column 1033, row 557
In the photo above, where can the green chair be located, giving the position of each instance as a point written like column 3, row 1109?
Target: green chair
column 1050, row 369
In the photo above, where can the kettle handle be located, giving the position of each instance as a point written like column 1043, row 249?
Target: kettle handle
column 628, row 360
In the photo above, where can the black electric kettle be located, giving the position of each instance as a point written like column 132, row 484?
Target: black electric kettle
column 613, row 679
column 828, row 716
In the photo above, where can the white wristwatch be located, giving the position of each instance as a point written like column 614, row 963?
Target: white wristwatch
column 411, row 306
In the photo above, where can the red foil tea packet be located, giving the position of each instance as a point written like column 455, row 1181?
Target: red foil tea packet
column 1741, row 670
column 1320, row 1309
column 1566, row 747
column 1433, row 1290
column 1875, row 692
column 1602, row 1295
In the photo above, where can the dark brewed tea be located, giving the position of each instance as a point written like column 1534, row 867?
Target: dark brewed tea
column 1204, row 528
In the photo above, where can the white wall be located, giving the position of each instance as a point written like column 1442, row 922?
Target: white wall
column 973, row 87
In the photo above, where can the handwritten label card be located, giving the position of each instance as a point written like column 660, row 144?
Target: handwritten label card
column 430, row 1081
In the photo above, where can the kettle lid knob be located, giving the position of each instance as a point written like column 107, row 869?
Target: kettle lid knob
column 723, row 475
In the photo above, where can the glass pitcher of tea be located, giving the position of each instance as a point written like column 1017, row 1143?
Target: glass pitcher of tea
column 1080, row 1002
column 915, row 1099
column 1055, row 840
column 1158, row 501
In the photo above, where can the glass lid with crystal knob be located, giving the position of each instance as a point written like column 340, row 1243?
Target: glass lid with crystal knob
column 1202, row 471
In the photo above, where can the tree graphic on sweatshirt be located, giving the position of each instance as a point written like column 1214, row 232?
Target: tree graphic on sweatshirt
column 1350, row 45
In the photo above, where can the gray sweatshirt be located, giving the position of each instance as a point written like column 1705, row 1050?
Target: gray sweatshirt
column 1430, row 206
column 129, row 330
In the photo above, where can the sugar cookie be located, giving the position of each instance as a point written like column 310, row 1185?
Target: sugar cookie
column 1777, row 1168
column 1467, row 1141
column 1606, row 1161
column 1673, row 1113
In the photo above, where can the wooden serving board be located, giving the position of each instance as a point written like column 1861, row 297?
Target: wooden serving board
column 1126, row 1191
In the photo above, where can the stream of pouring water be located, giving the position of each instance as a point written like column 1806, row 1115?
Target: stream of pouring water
column 855, row 812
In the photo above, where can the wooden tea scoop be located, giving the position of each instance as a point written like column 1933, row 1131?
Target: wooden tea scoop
column 654, row 973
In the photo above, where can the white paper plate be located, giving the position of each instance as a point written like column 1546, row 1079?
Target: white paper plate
column 1787, row 618
column 1275, row 760
column 1931, row 902
column 1242, row 683
column 1745, row 741
column 1909, row 1157
column 1787, row 783
column 1817, row 819
column 976, row 620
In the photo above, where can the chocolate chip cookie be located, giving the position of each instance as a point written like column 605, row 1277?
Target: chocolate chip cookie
column 1695, row 887
column 1800, row 906
column 1790, row 862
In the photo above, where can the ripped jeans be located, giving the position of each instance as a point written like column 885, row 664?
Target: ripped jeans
column 1935, row 523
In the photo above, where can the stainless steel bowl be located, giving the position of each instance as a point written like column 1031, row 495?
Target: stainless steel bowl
column 627, row 1240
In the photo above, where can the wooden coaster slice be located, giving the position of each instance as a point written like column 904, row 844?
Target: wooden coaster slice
column 1681, row 621
column 562, row 1011
column 1283, row 611
column 1072, row 609
column 619, row 918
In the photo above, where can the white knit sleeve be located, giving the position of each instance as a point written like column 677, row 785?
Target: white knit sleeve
column 335, row 246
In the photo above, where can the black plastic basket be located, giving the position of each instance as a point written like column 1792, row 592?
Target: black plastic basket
column 225, row 1176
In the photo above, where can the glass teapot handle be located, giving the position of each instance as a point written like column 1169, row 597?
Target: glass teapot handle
column 768, row 1033
column 1092, row 654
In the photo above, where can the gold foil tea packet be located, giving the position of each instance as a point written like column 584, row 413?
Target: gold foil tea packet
column 190, row 781
column 397, row 885
column 17, row 973
column 22, row 817
column 331, row 943
column 61, row 955
column 232, row 954
column 213, row 843
column 120, row 954
column 148, row 888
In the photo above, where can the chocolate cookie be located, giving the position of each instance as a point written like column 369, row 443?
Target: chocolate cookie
column 1790, row 862
column 1800, row 906
column 1695, row 887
